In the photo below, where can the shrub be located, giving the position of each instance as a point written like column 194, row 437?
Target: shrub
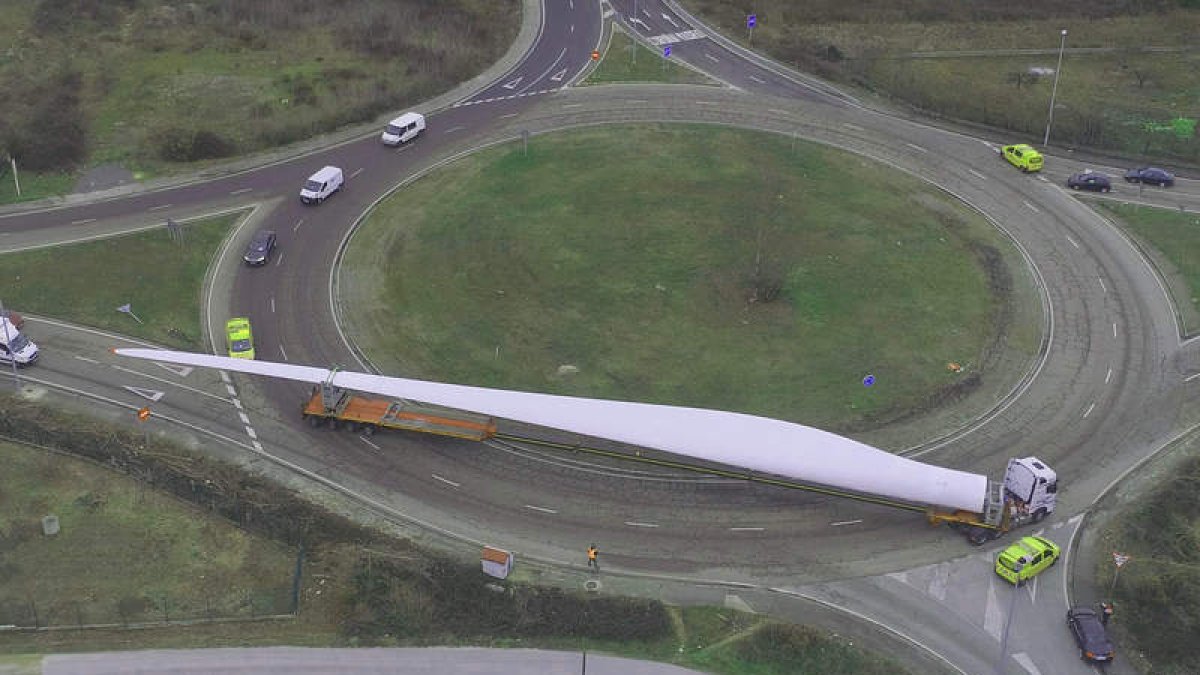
column 176, row 144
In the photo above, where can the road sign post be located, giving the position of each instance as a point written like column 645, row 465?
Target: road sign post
column 143, row 415
column 127, row 308
column 1119, row 559
column 751, row 21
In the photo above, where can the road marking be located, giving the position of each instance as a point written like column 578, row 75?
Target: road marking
column 707, row 102
column 916, row 147
column 993, row 618
column 250, row 433
column 1089, row 410
column 975, row 173
column 454, row 129
column 237, row 403
column 572, row 30
column 757, row 79
column 572, row 105
column 182, row 371
column 899, row 577
column 777, row 111
column 1109, row 376
column 989, row 145
column 357, row 171
column 1189, row 378
column 1031, row 207
column 1073, row 242
column 283, row 353
column 240, row 191
column 1043, row 178
column 297, row 225
column 272, row 304
column 509, row 115
column 638, row 21
column 634, row 523
column 279, row 260
column 245, row 419
column 159, row 207
column 645, row 12
column 1114, row 329
column 1102, row 286
column 366, row 440
column 542, row 509
column 447, row 481
column 512, row 84
column 734, row 602
column 940, row 581
column 229, row 388
column 1026, row 663
column 84, row 358
column 852, row 126
column 557, row 77
column 845, row 522
column 152, row 394
column 572, row 3
column 638, row 100
column 257, row 446
column 85, row 221
column 666, row 17
column 225, row 379
column 746, row 529
column 712, row 58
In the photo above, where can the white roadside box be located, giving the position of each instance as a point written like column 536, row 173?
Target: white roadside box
column 321, row 184
column 403, row 129
column 497, row 563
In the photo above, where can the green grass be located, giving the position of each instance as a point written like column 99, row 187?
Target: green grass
column 1175, row 236
column 627, row 61
column 644, row 274
column 33, row 185
column 162, row 281
column 124, row 553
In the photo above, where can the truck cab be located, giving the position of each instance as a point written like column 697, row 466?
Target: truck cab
column 1030, row 489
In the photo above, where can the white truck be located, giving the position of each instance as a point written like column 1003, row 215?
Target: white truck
column 14, row 346
column 1028, row 493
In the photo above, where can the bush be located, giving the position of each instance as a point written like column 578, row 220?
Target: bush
column 44, row 127
column 175, row 144
column 798, row 649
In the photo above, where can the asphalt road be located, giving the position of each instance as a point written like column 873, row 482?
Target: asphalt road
column 1103, row 392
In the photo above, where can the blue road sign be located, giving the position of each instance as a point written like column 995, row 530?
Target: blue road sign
column 751, row 20
column 666, row 51
column 868, row 380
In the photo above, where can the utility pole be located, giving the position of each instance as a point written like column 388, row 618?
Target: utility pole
column 1053, row 92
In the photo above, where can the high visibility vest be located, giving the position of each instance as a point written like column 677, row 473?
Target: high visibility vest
column 592, row 554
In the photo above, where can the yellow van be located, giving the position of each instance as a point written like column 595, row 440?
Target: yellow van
column 1023, row 156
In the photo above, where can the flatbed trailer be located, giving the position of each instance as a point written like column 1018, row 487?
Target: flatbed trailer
column 340, row 408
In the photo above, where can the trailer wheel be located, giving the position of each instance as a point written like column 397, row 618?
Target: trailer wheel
column 368, row 430
column 352, row 427
column 1038, row 515
column 313, row 421
column 335, row 423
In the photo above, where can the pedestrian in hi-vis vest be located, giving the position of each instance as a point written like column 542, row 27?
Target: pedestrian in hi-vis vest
column 593, row 560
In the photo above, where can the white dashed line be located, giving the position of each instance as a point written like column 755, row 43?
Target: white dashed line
column 357, row 171
column 1108, row 376
column 1189, row 378
column 232, row 392
column 777, row 111
column 454, row 129
column 1102, row 286
column 1114, row 330
column 712, row 58
column 245, row 419
column 85, row 221
column 238, row 192
column 159, row 207
column 447, row 481
column 279, row 260
column 572, row 105
column 272, row 304
column 707, row 102
column 572, row 28
column 84, row 358
column 237, row 403
column 916, row 147
column 746, row 529
column 508, row 115
column 540, row 508
column 845, row 522
column 757, row 79
column 366, row 440
column 250, row 432
column 1031, row 207
column 1026, row 663
column 225, row 379
column 634, row 523
column 297, row 225
column 975, row 173
column 257, row 446
column 638, row 100
column 1073, row 242
column 1089, row 410
column 283, row 353
column 852, row 126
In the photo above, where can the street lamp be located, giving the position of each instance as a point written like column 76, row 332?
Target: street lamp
column 1012, row 608
column 1050, row 119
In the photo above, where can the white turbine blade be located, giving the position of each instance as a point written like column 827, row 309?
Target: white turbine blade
column 755, row 443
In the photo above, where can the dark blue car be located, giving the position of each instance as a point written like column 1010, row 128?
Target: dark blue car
column 1151, row 175
column 1089, row 633
column 1090, row 180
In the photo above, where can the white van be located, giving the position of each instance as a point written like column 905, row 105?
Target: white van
column 403, row 129
column 14, row 346
column 321, row 184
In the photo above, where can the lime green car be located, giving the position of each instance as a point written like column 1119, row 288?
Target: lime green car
column 239, row 339
column 1023, row 156
column 1031, row 555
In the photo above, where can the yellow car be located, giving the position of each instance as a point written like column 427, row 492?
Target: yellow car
column 1022, row 156
column 239, row 339
column 1026, row 559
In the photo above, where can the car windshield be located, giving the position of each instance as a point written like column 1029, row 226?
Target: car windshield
column 394, row 130
column 312, row 186
column 240, row 346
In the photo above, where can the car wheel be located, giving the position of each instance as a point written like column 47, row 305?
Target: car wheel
column 1073, row 187
column 1107, row 189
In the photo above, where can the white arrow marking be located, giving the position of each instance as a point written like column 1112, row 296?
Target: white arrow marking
column 639, row 22
column 513, row 84
column 667, row 18
column 1026, row 663
column 557, row 77
column 182, row 371
column 147, row 393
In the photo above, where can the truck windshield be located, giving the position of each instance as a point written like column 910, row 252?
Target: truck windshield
column 393, row 130
column 312, row 186
column 19, row 343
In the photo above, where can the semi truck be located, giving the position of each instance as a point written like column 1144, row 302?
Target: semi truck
column 1028, row 493
column 339, row 408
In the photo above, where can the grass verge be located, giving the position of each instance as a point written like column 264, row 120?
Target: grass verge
column 752, row 273
column 160, row 278
column 33, row 185
column 1172, row 239
column 627, row 61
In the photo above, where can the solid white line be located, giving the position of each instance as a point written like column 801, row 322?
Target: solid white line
column 975, row 173
column 84, row 358
column 283, row 353
column 572, row 105
column 916, row 147
column 1114, row 329
column 507, row 115
column 238, row 192
column 251, row 434
column 159, row 207
column 1073, row 242
column 357, row 171
column 1102, row 286
column 237, row 403
column 852, row 126
column 366, row 440
column 297, row 225
column 712, row 58
column 85, row 221
column 540, row 508
column 758, row 79
column 1031, row 207
column 1108, row 376
column 272, row 304
column 245, row 419
column 445, row 480
column 1089, row 410
column 1189, row 378
column 845, row 522
column 707, row 102
column 634, row 523
column 746, row 529
column 231, row 390
column 454, row 129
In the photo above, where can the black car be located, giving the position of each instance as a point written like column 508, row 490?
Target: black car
column 1090, row 180
column 1090, row 635
column 1151, row 175
column 259, row 250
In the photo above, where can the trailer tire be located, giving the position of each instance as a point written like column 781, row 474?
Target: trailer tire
column 368, row 430
column 313, row 421
column 1039, row 515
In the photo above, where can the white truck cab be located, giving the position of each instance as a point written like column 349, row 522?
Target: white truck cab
column 1031, row 487
column 14, row 346
column 321, row 184
column 403, row 129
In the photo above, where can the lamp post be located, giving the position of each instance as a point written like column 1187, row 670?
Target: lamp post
column 1054, row 91
column 1012, row 608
